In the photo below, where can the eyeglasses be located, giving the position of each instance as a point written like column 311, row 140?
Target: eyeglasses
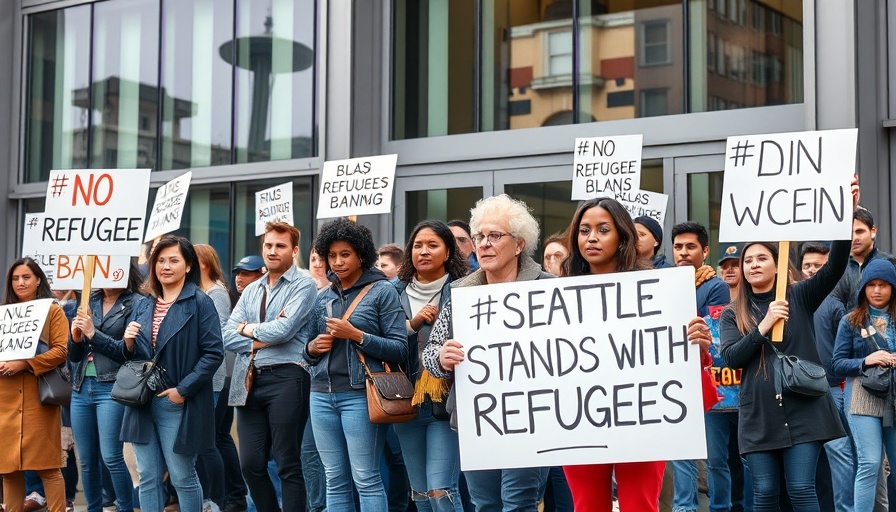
column 493, row 237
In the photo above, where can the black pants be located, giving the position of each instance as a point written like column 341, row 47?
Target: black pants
column 234, row 485
column 272, row 423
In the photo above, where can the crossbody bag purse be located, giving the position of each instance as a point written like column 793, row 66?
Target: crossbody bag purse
column 795, row 376
column 876, row 379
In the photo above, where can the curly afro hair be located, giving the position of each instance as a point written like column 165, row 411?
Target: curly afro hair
column 352, row 233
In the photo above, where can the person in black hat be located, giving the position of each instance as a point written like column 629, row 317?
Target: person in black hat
column 650, row 238
column 247, row 271
column 728, row 264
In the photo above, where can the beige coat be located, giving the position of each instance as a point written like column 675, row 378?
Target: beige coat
column 31, row 432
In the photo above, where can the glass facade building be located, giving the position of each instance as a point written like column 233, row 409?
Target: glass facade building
column 476, row 98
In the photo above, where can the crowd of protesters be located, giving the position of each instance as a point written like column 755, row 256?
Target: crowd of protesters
column 286, row 351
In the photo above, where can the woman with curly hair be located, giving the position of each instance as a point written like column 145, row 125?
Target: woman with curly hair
column 429, row 446
column 350, row 445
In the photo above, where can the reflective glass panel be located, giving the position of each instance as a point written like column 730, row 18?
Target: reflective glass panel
column 274, row 53
column 705, row 205
column 125, row 84
column 197, row 83
column 745, row 53
column 440, row 204
column 58, row 76
column 206, row 220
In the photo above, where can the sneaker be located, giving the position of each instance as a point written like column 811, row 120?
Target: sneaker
column 69, row 506
column 34, row 502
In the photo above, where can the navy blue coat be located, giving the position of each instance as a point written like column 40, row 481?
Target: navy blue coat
column 191, row 350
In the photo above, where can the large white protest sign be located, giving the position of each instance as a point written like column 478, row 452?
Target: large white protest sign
column 579, row 370
column 20, row 328
column 644, row 203
column 66, row 272
column 606, row 166
column 788, row 186
column 358, row 186
column 95, row 211
column 273, row 205
column 168, row 207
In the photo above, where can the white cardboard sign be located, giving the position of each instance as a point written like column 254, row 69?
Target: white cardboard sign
column 273, row 205
column 578, row 370
column 95, row 211
column 20, row 328
column 66, row 272
column 357, row 186
column 606, row 166
column 168, row 207
column 645, row 203
column 788, row 186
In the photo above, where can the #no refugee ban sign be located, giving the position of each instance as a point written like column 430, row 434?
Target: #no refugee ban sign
column 20, row 328
column 95, row 211
column 578, row 370
column 788, row 186
column 357, row 186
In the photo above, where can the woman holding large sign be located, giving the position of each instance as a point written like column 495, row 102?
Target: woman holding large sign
column 179, row 325
column 37, row 443
column 429, row 446
column 505, row 235
column 779, row 429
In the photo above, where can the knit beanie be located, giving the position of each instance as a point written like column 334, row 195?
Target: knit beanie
column 878, row 269
column 653, row 226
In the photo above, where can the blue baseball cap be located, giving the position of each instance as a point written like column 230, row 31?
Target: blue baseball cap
column 250, row 264
column 730, row 251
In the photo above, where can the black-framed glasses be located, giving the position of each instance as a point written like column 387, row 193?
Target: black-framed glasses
column 493, row 237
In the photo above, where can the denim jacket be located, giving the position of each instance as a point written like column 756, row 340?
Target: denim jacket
column 379, row 315
column 105, row 344
column 851, row 349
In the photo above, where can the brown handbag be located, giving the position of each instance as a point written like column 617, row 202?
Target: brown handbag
column 389, row 393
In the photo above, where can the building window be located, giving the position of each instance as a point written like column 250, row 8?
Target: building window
column 655, row 43
column 148, row 83
column 559, row 55
column 654, row 102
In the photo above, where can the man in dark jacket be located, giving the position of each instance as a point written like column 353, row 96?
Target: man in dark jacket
column 863, row 251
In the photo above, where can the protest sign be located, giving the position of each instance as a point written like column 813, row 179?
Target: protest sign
column 606, row 166
column 20, row 328
column 168, row 207
column 645, row 203
column 788, row 186
column 578, row 370
column 357, row 186
column 95, row 211
column 66, row 272
column 273, row 205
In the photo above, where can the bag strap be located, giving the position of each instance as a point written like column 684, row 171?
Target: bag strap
column 779, row 386
column 348, row 313
column 874, row 335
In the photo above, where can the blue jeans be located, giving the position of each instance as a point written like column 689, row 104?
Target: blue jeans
column 684, row 474
column 154, row 456
column 841, row 460
column 96, row 425
column 432, row 456
column 799, row 463
column 315, row 480
column 506, row 490
column 721, row 428
column 350, row 448
column 871, row 439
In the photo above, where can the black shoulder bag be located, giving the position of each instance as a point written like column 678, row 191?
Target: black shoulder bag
column 795, row 376
column 876, row 379
column 137, row 382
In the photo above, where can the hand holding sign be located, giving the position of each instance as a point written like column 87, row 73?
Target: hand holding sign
column 10, row 368
column 451, row 354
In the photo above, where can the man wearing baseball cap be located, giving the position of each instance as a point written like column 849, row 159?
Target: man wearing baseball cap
column 248, row 270
column 729, row 264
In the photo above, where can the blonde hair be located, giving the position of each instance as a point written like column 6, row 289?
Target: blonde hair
column 514, row 212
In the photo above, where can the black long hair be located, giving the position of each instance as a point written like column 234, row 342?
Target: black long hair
column 627, row 252
column 456, row 266
column 154, row 287
column 43, row 287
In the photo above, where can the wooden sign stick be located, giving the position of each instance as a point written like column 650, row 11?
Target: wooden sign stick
column 781, row 288
column 89, row 267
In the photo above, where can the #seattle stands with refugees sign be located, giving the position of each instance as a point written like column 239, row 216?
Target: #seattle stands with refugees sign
column 20, row 328
column 357, row 186
column 788, row 187
column 583, row 370
column 95, row 211
column 66, row 272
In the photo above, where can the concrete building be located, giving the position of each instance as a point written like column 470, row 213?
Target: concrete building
column 476, row 98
